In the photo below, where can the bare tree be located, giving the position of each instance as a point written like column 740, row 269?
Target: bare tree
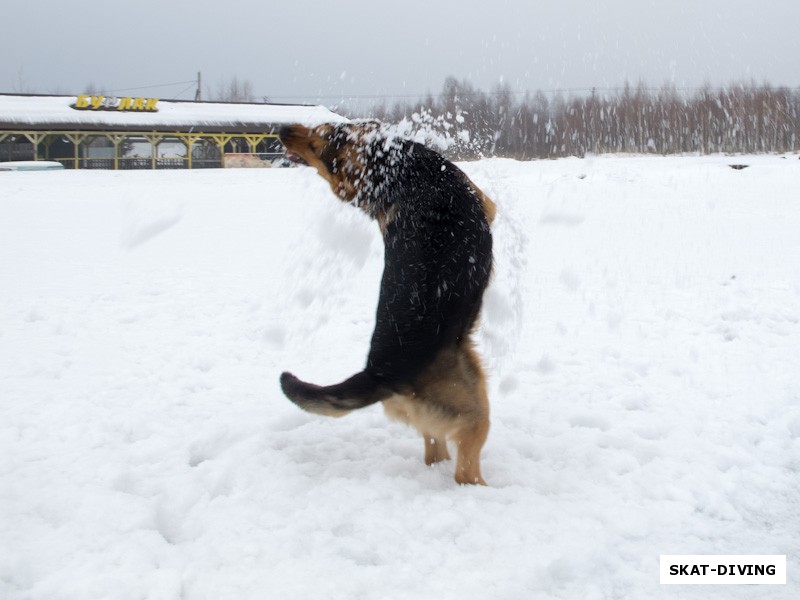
column 21, row 84
column 234, row 90
column 742, row 118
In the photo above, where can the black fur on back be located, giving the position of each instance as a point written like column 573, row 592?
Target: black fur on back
column 438, row 260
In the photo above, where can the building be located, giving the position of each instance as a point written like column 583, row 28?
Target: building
column 104, row 132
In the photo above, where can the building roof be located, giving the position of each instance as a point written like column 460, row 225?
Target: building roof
column 35, row 112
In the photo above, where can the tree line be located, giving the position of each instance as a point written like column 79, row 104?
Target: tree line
column 747, row 118
column 465, row 122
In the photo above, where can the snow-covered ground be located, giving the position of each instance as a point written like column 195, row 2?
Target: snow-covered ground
column 643, row 340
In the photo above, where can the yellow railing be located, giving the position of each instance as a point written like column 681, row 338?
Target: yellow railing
column 42, row 141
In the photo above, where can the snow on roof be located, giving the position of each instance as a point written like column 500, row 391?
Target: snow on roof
column 56, row 112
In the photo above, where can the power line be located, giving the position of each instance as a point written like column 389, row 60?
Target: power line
column 184, row 90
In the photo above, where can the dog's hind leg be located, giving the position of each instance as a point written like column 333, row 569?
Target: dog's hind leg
column 435, row 449
column 469, row 440
column 472, row 432
column 452, row 402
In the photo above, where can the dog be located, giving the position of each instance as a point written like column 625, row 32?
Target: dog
column 422, row 363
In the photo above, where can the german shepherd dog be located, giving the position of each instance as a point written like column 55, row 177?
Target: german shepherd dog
column 422, row 364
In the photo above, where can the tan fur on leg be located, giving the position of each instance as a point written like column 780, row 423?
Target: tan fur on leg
column 435, row 450
column 470, row 441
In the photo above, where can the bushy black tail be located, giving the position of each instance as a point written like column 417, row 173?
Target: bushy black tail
column 358, row 391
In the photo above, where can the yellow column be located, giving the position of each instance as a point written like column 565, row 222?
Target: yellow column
column 221, row 140
column 189, row 140
column 76, row 139
column 154, row 140
column 116, row 139
column 253, row 141
column 35, row 139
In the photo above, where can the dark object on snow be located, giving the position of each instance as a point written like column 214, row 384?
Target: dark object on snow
column 437, row 262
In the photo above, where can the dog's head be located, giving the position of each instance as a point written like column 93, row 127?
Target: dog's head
column 342, row 154
column 362, row 161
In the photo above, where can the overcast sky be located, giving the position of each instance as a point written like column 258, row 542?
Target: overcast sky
column 326, row 50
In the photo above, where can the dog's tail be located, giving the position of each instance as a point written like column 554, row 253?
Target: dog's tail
column 358, row 391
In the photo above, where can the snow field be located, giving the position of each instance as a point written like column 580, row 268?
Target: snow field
column 641, row 336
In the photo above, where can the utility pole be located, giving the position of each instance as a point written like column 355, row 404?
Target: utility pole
column 198, row 93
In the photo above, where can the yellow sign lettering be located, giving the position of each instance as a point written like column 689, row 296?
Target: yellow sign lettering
column 126, row 104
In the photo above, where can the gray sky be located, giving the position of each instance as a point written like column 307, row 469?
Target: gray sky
column 322, row 51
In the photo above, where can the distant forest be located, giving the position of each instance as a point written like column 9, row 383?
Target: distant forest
column 747, row 118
